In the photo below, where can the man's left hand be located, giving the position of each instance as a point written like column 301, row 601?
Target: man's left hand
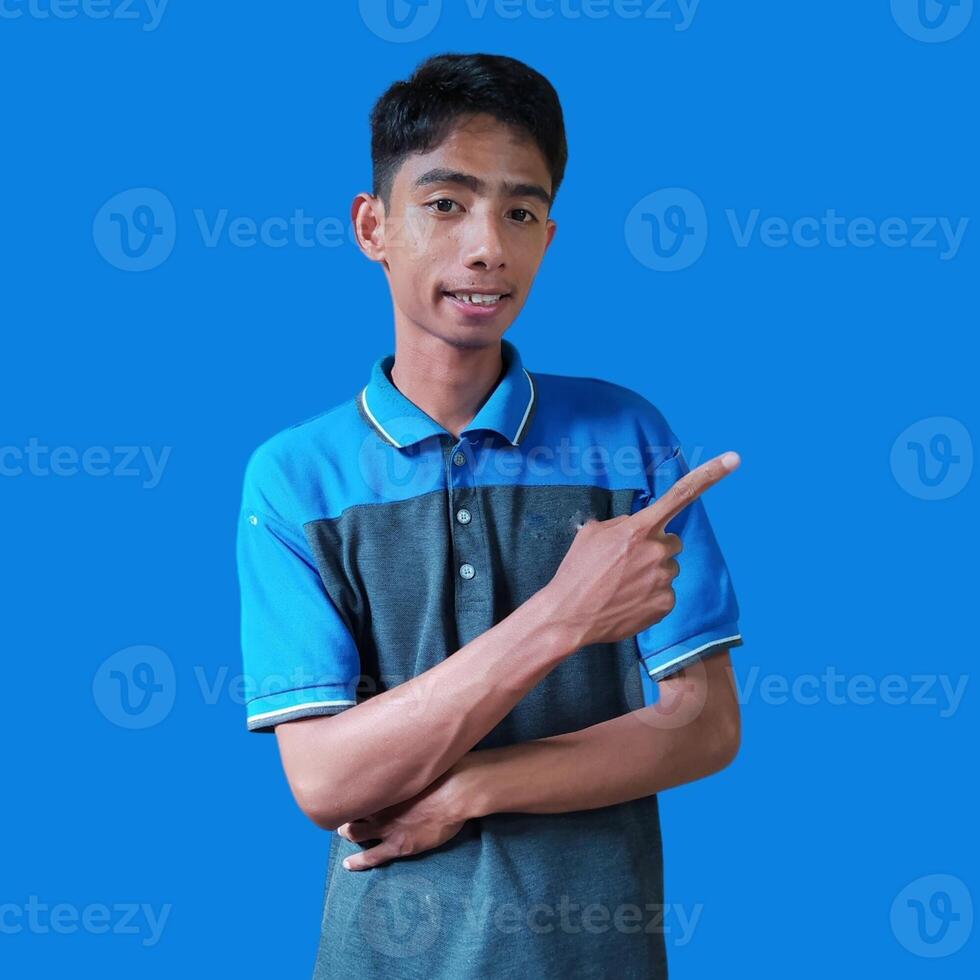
column 418, row 824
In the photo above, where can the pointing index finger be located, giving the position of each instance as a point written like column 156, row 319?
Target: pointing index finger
column 687, row 489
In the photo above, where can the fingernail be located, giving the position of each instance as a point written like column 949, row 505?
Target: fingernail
column 346, row 863
column 730, row 460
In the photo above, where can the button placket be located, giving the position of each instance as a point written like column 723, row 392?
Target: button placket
column 474, row 595
column 463, row 515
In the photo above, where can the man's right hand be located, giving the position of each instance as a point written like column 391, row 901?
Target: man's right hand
column 617, row 577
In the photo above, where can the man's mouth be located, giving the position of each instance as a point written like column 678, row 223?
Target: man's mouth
column 477, row 299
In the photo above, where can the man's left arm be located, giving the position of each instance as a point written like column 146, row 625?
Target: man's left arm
column 692, row 731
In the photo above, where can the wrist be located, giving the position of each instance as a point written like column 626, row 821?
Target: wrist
column 559, row 631
column 468, row 787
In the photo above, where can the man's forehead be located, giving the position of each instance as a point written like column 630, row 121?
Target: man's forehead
column 459, row 156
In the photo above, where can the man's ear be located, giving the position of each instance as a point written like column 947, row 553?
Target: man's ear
column 552, row 227
column 368, row 218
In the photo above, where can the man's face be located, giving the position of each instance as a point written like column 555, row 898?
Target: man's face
column 469, row 217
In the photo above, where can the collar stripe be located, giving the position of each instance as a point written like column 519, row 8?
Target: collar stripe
column 527, row 411
column 376, row 423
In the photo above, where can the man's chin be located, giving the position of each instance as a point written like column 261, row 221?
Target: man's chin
column 471, row 335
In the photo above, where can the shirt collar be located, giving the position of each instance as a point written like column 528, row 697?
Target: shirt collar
column 401, row 423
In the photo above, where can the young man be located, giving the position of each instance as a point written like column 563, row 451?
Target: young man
column 458, row 585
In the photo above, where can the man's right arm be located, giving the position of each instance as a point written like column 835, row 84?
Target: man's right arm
column 391, row 746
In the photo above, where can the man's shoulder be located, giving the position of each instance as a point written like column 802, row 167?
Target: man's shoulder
column 614, row 408
column 287, row 473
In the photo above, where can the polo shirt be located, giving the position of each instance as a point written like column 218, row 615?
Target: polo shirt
column 372, row 544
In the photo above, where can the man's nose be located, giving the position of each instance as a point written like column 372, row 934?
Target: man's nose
column 485, row 242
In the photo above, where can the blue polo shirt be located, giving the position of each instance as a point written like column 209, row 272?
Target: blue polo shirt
column 372, row 544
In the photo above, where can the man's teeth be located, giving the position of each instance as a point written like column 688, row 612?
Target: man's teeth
column 483, row 299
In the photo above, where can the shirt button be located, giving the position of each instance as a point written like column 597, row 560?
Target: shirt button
column 459, row 459
column 463, row 516
column 467, row 570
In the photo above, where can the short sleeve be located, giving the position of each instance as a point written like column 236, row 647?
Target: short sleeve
column 299, row 657
column 705, row 616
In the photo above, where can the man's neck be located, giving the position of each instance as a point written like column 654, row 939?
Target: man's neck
column 450, row 384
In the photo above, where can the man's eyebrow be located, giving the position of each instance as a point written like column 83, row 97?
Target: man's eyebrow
column 442, row 175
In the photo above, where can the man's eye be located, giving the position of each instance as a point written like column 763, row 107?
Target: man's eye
column 444, row 205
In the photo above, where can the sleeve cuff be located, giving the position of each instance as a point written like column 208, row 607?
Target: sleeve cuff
column 674, row 658
column 266, row 711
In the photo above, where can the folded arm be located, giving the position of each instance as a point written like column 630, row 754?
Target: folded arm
column 691, row 732
column 615, row 580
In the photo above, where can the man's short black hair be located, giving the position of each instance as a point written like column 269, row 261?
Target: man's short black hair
column 416, row 115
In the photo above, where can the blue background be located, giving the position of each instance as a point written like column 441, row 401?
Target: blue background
column 809, row 361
